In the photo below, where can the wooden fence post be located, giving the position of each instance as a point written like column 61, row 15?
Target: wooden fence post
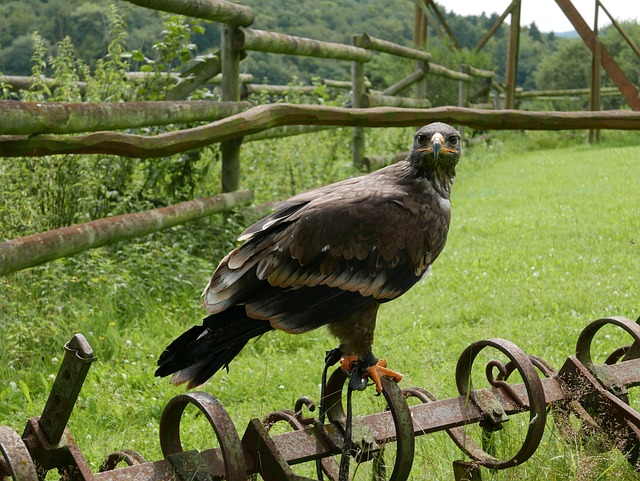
column 357, row 79
column 230, row 92
column 512, row 57
column 420, row 42
column 594, row 99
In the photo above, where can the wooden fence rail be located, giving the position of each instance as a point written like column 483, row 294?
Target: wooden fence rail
column 265, row 117
column 262, row 41
column 213, row 10
column 372, row 43
column 28, row 118
column 33, row 250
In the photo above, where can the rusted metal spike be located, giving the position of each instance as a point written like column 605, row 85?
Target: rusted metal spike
column 614, row 417
column 189, row 466
column 268, row 461
column 466, row 471
column 65, row 390
column 65, row 456
column 492, row 409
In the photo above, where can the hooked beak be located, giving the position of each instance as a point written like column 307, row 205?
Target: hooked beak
column 435, row 145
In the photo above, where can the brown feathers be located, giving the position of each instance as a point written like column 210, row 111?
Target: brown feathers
column 331, row 255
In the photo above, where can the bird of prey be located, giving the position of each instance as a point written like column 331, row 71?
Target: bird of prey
column 329, row 256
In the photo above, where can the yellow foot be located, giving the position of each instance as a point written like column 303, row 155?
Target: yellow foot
column 374, row 372
column 380, row 369
column 348, row 363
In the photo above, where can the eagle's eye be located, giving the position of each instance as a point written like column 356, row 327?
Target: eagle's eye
column 421, row 139
column 453, row 141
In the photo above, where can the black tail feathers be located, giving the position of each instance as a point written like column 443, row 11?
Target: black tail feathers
column 203, row 350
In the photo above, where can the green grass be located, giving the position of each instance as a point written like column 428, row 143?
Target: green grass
column 544, row 239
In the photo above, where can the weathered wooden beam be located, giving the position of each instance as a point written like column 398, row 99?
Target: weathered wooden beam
column 512, row 57
column 262, row 41
column 620, row 30
column 404, row 83
column 230, row 149
column 343, row 84
column 265, row 117
column 196, row 76
column 285, row 131
column 429, row 20
column 213, row 10
column 248, row 89
column 445, row 25
column 595, row 88
column 496, row 25
column 358, row 140
column 375, row 162
column 141, row 76
column 372, row 43
column 564, row 92
column 370, row 100
column 36, row 249
column 244, row 78
column 478, row 72
column 627, row 88
column 28, row 118
column 442, row 71
column 419, row 25
column 19, row 82
column 462, row 88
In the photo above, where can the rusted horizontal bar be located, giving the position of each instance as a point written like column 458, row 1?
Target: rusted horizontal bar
column 372, row 43
column 301, row 446
column 156, row 471
column 33, row 250
column 28, row 118
column 262, row 41
column 213, row 10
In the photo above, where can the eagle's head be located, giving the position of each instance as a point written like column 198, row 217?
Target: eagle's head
column 436, row 151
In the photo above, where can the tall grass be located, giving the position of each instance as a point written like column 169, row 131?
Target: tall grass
column 543, row 240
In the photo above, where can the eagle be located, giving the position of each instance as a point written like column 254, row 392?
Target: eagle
column 329, row 256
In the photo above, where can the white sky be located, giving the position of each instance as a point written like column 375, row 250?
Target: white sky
column 547, row 13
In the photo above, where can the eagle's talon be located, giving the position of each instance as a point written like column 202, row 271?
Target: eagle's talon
column 360, row 370
column 378, row 370
column 348, row 363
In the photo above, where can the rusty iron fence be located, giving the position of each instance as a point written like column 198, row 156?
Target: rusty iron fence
column 583, row 397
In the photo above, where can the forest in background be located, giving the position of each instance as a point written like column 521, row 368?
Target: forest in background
column 546, row 61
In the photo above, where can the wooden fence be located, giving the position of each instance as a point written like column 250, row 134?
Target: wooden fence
column 36, row 129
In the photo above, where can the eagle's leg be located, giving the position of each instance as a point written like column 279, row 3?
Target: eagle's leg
column 356, row 337
column 367, row 367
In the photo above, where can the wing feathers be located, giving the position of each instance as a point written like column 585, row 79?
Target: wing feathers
column 370, row 239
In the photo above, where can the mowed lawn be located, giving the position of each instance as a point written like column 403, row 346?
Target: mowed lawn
column 542, row 242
